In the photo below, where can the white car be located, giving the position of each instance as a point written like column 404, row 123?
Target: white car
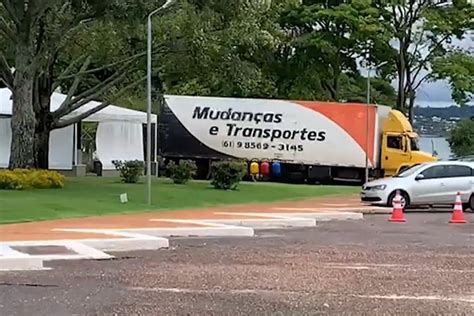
column 432, row 183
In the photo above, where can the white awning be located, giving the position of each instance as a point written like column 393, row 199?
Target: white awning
column 111, row 113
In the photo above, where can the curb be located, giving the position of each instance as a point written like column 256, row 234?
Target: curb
column 268, row 223
column 358, row 209
column 18, row 260
column 374, row 211
column 128, row 242
column 341, row 216
column 216, row 231
column 320, row 216
column 21, row 264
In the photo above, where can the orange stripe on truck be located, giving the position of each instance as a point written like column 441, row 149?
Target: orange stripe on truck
column 352, row 118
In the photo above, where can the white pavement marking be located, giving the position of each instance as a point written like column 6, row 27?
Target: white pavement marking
column 263, row 220
column 462, row 299
column 130, row 241
column 15, row 260
column 22, row 264
column 81, row 251
column 212, row 231
column 279, row 222
column 379, row 266
column 333, row 209
column 319, row 216
column 271, row 222
column 7, row 251
column 214, row 291
column 200, row 222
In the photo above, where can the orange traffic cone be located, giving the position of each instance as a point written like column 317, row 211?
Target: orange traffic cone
column 458, row 216
column 397, row 213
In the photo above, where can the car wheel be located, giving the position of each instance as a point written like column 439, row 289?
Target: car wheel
column 404, row 199
column 470, row 205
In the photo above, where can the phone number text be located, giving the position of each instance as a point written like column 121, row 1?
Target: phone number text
column 262, row 146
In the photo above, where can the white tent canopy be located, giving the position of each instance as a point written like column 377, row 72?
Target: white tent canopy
column 119, row 134
column 108, row 114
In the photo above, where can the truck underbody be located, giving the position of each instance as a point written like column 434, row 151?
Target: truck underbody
column 290, row 172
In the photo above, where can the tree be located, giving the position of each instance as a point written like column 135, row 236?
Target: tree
column 18, row 22
column 423, row 30
column 461, row 139
column 458, row 68
column 224, row 48
column 326, row 38
column 42, row 33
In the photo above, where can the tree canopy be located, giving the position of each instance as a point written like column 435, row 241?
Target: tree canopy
column 288, row 49
column 461, row 139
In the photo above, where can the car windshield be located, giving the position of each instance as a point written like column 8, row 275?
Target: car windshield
column 414, row 144
column 408, row 172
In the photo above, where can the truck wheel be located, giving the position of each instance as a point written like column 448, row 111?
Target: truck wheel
column 405, row 200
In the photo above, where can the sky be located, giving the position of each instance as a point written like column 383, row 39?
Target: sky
column 438, row 94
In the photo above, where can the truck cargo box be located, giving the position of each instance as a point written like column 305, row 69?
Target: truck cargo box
column 296, row 132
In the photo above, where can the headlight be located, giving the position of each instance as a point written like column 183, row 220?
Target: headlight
column 379, row 187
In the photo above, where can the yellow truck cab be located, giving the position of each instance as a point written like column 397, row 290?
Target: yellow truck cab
column 400, row 147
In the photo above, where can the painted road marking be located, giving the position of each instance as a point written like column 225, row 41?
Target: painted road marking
column 77, row 249
column 7, row 251
column 462, row 299
column 213, row 291
column 201, row 222
column 264, row 215
column 269, row 221
column 379, row 266
column 316, row 209
column 318, row 216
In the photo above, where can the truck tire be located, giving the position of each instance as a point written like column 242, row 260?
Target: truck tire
column 405, row 199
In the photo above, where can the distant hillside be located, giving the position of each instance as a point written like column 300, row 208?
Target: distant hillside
column 445, row 113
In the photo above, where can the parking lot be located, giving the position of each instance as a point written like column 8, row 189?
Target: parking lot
column 350, row 267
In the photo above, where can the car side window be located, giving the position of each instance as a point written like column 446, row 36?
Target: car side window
column 394, row 142
column 434, row 172
column 455, row 171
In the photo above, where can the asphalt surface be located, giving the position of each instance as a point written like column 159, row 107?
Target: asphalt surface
column 424, row 266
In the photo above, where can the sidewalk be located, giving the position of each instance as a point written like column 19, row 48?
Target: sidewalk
column 48, row 230
column 26, row 246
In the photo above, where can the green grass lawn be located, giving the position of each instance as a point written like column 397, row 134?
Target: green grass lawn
column 91, row 196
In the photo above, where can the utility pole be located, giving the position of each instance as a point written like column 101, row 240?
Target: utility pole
column 148, row 110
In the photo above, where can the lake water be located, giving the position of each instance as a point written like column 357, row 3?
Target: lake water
column 440, row 144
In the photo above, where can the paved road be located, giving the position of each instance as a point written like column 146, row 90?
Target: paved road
column 423, row 266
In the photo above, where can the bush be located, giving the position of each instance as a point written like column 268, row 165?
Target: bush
column 226, row 175
column 21, row 179
column 130, row 170
column 182, row 172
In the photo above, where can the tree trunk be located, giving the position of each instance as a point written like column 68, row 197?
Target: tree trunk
column 42, row 148
column 411, row 106
column 44, row 122
column 23, row 120
column 401, row 68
